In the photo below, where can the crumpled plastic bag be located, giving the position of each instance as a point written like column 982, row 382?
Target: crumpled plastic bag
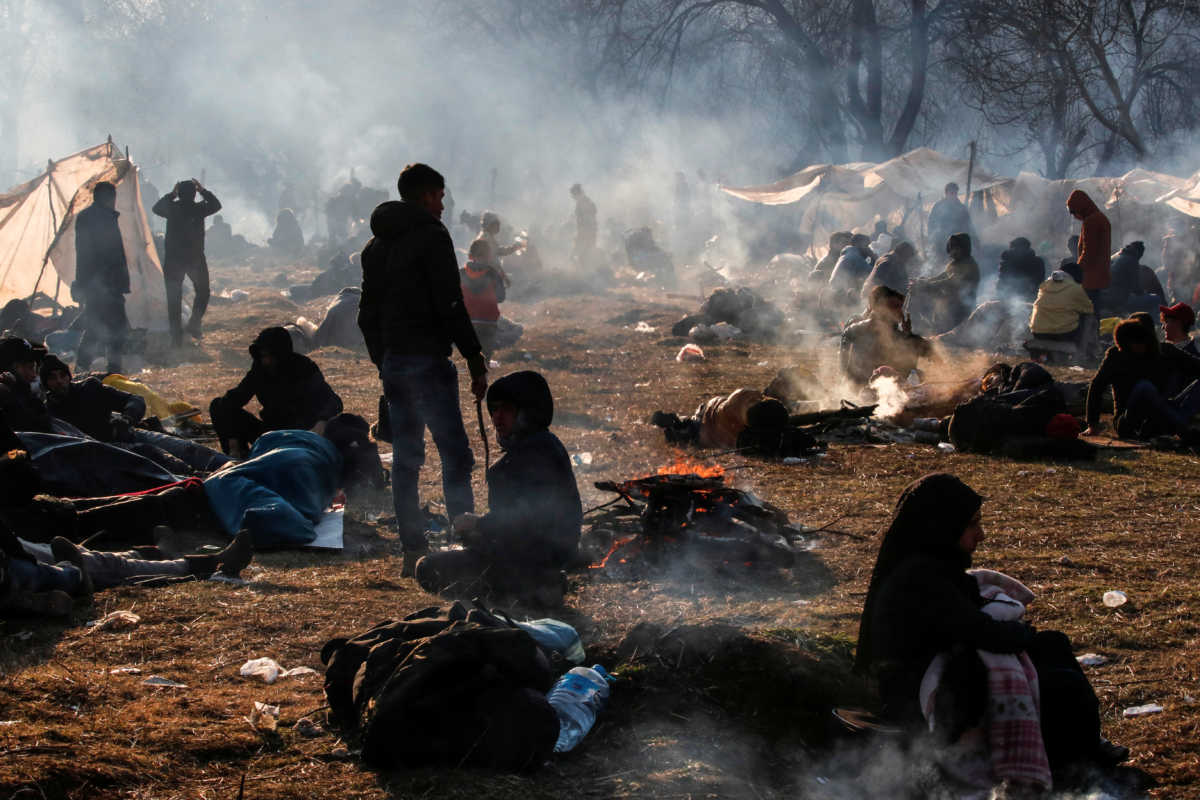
column 263, row 717
column 270, row 671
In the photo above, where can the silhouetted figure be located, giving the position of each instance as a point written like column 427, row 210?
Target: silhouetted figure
column 185, row 253
column 101, row 279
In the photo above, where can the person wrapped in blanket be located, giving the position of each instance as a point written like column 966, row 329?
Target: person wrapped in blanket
column 1003, row 701
column 531, row 530
column 278, row 494
column 45, row 578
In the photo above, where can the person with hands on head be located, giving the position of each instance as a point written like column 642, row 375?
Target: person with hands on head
column 185, row 253
column 411, row 312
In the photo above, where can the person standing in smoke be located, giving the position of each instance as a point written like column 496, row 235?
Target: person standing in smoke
column 949, row 216
column 411, row 312
column 1095, row 246
column 185, row 253
column 101, row 279
column 585, row 227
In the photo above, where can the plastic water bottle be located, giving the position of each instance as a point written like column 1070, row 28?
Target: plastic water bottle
column 577, row 699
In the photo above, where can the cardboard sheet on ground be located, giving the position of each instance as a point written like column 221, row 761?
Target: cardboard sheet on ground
column 329, row 530
column 1113, row 444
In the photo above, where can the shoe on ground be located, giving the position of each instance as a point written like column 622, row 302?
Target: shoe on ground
column 66, row 550
column 411, row 557
column 237, row 556
column 1111, row 754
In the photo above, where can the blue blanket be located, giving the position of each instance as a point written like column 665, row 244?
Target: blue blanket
column 281, row 491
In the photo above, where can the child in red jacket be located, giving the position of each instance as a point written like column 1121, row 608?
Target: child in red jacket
column 483, row 288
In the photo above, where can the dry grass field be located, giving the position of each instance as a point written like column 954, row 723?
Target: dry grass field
column 727, row 675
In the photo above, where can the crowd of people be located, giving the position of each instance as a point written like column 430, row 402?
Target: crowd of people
column 935, row 634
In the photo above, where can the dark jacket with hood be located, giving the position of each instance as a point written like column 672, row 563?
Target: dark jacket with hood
column 412, row 301
column 891, row 270
column 959, row 282
column 99, row 252
column 534, row 514
column 1021, row 272
column 1095, row 240
column 1130, row 277
column 921, row 601
column 23, row 409
column 89, row 404
column 293, row 394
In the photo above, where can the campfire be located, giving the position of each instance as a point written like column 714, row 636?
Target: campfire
column 689, row 506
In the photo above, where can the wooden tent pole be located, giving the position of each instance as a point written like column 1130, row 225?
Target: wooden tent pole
column 970, row 173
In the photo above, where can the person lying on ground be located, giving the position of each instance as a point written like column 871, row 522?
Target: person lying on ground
column 23, row 409
column 1060, row 308
column 45, row 580
column 290, row 387
column 1140, row 373
column 484, row 289
column 1177, row 322
column 531, row 531
column 278, row 494
column 110, row 415
column 952, row 293
column 884, row 338
column 925, row 611
column 891, row 270
column 1021, row 272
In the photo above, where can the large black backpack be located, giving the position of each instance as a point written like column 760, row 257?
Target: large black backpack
column 431, row 690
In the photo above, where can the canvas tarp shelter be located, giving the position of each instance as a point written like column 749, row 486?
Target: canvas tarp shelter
column 37, row 233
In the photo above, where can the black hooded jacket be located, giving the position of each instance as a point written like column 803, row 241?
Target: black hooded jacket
column 412, row 302
column 534, row 512
column 921, row 601
column 294, row 394
column 99, row 252
column 1021, row 272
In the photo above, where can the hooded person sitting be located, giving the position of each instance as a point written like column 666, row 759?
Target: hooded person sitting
column 1134, row 286
column 883, row 339
column 290, row 387
column 1059, row 309
column 1021, row 272
column 838, row 241
column 953, row 292
column 947, row 649
column 852, row 268
column 531, row 530
column 287, row 239
column 891, row 270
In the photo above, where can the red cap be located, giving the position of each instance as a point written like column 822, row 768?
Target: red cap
column 1180, row 311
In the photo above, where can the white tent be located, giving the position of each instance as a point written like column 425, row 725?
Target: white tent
column 37, row 232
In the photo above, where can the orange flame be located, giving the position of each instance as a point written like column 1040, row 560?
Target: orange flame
column 684, row 467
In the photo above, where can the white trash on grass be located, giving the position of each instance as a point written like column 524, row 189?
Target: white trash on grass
column 263, row 717
column 269, row 670
column 1114, row 599
column 1142, row 711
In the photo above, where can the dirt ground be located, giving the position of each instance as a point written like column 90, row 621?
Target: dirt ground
column 727, row 675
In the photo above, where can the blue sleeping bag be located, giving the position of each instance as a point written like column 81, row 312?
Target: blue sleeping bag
column 281, row 491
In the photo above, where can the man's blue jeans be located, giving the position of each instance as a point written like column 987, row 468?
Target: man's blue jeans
column 422, row 392
column 1147, row 404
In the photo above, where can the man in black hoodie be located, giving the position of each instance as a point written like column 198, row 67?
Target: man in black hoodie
column 411, row 312
column 23, row 409
column 531, row 530
column 290, row 387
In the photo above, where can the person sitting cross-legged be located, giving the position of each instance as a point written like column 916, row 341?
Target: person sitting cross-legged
column 531, row 531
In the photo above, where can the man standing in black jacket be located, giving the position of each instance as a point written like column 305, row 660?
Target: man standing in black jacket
column 185, row 253
column 411, row 312
column 101, row 279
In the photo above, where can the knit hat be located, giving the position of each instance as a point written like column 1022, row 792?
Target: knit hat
column 1180, row 311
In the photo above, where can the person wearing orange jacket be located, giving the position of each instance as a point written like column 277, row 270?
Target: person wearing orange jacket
column 1095, row 245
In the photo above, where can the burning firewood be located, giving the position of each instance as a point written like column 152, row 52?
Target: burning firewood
column 690, row 506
